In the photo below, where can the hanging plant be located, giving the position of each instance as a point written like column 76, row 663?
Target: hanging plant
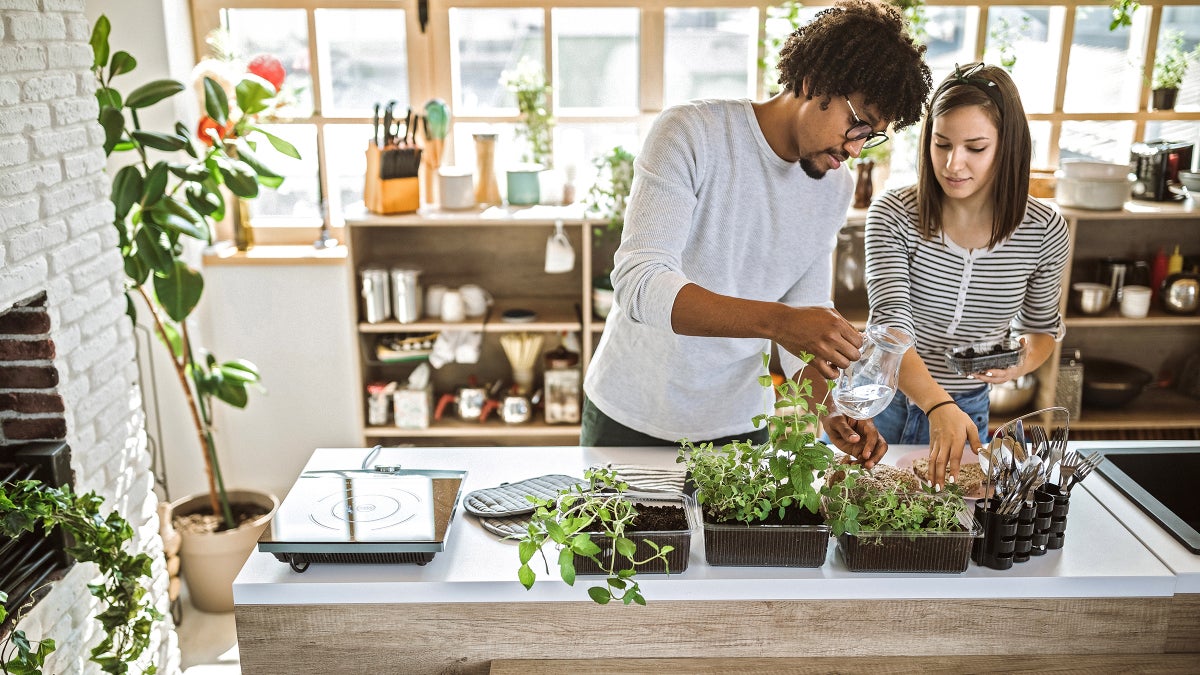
column 1122, row 13
column 127, row 614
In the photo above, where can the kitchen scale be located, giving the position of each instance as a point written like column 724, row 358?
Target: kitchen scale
column 380, row 515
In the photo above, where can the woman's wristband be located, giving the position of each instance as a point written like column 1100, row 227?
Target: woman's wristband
column 938, row 405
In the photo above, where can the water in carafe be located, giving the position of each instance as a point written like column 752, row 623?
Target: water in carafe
column 866, row 386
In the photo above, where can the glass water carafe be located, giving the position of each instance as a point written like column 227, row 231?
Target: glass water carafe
column 867, row 385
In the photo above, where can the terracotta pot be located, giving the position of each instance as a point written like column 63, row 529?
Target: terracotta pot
column 211, row 560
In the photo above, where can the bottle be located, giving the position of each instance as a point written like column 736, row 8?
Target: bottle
column 1175, row 264
column 1158, row 271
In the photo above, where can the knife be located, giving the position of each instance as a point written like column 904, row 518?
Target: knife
column 387, row 123
column 375, row 125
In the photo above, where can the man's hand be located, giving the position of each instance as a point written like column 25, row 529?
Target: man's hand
column 858, row 438
column 822, row 332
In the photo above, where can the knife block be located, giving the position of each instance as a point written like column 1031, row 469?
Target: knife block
column 400, row 194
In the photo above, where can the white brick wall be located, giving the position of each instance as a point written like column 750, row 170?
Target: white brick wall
column 56, row 236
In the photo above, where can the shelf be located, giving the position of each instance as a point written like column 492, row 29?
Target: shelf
column 552, row 316
column 1154, row 409
column 1112, row 318
column 456, row 428
column 1187, row 208
column 496, row 215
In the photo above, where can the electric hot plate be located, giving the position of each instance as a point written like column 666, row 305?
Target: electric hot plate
column 364, row 516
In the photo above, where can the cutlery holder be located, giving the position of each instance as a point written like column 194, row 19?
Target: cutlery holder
column 1043, row 505
column 1060, row 504
column 997, row 546
column 1024, row 536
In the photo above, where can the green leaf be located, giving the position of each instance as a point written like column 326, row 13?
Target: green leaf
column 113, row 122
column 279, row 144
column 108, row 97
column 99, row 42
column 241, row 370
column 152, row 92
column 194, row 172
column 253, row 93
column 136, row 268
column 202, row 201
column 566, row 566
column 216, row 103
column 265, row 175
column 526, row 550
column 599, row 595
column 155, row 186
column 179, row 290
column 178, row 217
column 126, row 189
column 526, row 575
column 625, row 547
column 122, row 62
column 152, row 250
column 239, row 177
column 233, row 393
column 159, row 141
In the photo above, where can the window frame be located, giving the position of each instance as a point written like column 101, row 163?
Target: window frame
column 429, row 59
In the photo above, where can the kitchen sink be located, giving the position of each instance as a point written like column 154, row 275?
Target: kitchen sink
column 1162, row 482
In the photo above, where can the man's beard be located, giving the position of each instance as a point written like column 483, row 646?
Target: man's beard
column 809, row 164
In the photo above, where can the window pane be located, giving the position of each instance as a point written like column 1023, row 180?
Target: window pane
column 1026, row 40
column 1103, row 73
column 581, row 144
column 282, row 33
column 1183, row 132
column 1040, row 132
column 297, row 200
column 950, row 37
column 346, row 159
column 1187, row 21
column 778, row 28
column 597, row 53
column 728, row 40
column 483, row 44
column 1101, row 141
column 364, row 60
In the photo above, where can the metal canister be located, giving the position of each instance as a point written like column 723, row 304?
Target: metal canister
column 406, row 294
column 376, row 294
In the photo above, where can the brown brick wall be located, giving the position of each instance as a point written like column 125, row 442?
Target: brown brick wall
column 30, row 407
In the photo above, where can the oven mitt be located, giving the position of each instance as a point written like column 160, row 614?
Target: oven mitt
column 509, row 499
column 650, row 478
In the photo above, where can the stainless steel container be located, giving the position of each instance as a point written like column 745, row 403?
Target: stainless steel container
column 406, row 294
column 376, row 294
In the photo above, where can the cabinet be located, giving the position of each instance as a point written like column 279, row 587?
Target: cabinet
column 503, row 250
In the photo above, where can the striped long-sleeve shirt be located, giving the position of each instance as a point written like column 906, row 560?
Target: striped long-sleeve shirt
column 950, row 297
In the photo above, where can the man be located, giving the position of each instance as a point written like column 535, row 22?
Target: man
column 729, row 236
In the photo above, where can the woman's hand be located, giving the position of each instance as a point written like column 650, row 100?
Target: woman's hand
column 858, row 438
column 1001, row 375
column 950, row 429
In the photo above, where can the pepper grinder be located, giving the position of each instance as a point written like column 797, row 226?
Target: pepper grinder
column 487, row 189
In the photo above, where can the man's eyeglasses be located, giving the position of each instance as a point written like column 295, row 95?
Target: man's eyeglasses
column 861, row 130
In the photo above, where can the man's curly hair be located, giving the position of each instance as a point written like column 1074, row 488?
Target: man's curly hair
column 859, row 46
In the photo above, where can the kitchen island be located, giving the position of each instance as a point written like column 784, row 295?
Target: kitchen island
column 1105, row 592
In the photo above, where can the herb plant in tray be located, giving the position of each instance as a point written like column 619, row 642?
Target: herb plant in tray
column 602, row 528
column 903, row 530
column 760, row 504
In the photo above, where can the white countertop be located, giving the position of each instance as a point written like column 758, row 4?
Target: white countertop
column 1100, row 558
column 1182, row 562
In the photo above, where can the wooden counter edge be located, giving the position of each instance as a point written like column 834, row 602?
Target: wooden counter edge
column 273, row 255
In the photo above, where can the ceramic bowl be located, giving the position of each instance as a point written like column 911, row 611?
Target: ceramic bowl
column 1191, row 181
column 1092, row 298
column 1097, row 194
column 1088, row 170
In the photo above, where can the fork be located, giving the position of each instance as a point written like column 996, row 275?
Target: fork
column 1081, row 471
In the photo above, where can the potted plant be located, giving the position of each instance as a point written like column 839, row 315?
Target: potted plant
column 162, row 205
column 126, row 612
column 903, row 530
column 528, row 83
column 607, row 198
column 602, row 528
column 760, row 504
column 1170, row 65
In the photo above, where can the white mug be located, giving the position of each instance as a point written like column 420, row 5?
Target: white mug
column 475, row 299
column 1135, row 301
column 453, row 308
column 560, row 257
column 456, row 187
column 433, row 300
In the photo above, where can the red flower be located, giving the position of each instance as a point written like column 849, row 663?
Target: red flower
column 207, row 123
column 268, row 68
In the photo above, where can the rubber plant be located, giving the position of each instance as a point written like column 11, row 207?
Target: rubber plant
column 164, row 202
column 749, row 483
column 127, row 615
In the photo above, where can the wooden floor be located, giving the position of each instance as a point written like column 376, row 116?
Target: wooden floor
column 1055, row 664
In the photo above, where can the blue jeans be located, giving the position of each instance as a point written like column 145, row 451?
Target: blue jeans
column 903, row 423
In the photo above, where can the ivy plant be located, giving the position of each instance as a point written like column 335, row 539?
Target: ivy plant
column 569, row 522
column 127, row 615
column 748, row 483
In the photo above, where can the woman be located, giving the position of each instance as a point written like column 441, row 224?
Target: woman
column 964, row 256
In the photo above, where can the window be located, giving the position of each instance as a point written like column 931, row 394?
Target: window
column 613, row 68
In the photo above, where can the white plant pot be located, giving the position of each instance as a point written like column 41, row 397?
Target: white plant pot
column 602, row 301
column 210, row 561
